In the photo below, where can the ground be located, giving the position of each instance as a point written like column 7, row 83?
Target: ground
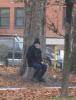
column 14, row 87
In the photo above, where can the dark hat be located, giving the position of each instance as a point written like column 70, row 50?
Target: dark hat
column 37, row 41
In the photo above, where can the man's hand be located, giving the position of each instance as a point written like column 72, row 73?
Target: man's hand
column 42, row 62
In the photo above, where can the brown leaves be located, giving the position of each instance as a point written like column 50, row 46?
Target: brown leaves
column 7, row 70
column 33, row 93
column 29, row 90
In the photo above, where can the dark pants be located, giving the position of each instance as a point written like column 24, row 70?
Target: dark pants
column 40, row 70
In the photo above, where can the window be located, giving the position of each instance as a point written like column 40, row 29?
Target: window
column 4, row 17
column 17, row 55
column 10, row 55
column 19, row 17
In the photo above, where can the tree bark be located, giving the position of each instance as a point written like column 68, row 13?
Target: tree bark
column 66, row 67
column 34, row 27
column 73, row 55
column 67, row 50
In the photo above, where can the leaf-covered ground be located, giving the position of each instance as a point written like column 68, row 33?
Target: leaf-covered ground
column 13, row 87
column 34, row 93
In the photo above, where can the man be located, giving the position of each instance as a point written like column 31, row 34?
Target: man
column 34, row 59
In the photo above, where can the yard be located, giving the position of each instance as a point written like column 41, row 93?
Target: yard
column 14, row 87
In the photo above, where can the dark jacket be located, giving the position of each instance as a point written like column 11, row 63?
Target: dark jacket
column 33, row 55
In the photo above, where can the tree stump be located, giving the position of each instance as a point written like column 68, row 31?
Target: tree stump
column 29, row 73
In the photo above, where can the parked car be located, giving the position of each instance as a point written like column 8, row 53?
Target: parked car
column 14, row 52
column 50, row 56
column 59, row 62
column 14, row 60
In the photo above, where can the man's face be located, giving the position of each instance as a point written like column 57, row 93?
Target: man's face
column 37, row 45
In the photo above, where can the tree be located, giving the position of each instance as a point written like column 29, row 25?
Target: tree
column 67, row 50
column 73, row 54
column 34, row 26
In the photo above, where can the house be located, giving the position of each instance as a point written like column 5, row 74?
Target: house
column 12, row 21
column 11, row 18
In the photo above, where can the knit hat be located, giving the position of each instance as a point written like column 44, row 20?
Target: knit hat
column 37, row 41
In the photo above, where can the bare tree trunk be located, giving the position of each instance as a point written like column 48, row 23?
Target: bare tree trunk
column 67, row 50
column 73, row 55
column 34, row 27
column 28, row 14
column 65, row 80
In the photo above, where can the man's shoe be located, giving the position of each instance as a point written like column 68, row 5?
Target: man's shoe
column 42, row 80
column 35, row 80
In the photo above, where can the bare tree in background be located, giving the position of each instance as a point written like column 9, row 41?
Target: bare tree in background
column 67, row 50
column 73, row 54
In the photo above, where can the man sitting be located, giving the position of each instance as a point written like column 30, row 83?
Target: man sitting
column 34, row 59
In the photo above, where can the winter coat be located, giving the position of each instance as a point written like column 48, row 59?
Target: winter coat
column 33, row 55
